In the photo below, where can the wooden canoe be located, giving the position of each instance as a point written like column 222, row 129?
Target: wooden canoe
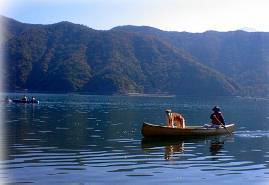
column 157, row 131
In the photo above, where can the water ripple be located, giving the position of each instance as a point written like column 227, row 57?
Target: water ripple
column 252, row 134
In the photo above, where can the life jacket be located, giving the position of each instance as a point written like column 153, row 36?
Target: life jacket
column 216, row 118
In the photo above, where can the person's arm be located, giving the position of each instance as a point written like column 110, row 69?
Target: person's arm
column 222, row 119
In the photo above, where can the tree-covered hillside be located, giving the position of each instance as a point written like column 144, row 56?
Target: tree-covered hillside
column 241, row 56
column 67, row 57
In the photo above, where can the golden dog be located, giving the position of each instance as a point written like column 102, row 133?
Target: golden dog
column 174, row 119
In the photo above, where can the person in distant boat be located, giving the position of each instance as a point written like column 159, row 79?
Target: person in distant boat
column 217, row 119
column 174, row 119
column 33, row 99
column 7, row 99
column 24, row 98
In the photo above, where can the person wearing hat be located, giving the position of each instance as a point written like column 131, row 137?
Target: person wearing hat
column 216, row 117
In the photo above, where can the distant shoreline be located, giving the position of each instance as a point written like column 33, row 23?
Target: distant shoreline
column 161, row 95
column 85, row 93
column 151, row 95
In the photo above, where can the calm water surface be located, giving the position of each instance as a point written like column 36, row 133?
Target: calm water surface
column 81, row 139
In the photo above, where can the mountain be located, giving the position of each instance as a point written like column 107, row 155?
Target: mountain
column 248, row 29
column 239, row 55
column 67, row 57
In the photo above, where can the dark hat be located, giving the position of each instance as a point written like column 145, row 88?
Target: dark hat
column 216, row 108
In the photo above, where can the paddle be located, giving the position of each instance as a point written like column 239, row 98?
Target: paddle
column 226, row 128
column 223, row 125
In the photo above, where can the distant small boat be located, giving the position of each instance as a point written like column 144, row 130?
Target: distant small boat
column 27, row 101
column 157, row 131
column 6, row 101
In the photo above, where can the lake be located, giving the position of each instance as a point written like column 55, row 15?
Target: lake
column 82, row 139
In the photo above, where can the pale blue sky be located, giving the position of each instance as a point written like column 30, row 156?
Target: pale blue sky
column 178, row 15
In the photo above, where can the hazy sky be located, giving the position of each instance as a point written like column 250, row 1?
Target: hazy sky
column 178, row 15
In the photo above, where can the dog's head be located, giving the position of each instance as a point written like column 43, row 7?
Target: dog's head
column 168, row 111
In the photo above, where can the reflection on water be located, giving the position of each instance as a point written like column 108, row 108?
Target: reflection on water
column 171, row 150
column 79, row 139
column 171, row 147
column 215, row 147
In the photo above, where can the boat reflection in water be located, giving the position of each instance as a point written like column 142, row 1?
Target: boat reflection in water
column 174, row 149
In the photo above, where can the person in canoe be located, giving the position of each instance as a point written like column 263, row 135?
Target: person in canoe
column 217, row 119
column 174, row 119
column 34, row 100
column 24, row 98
